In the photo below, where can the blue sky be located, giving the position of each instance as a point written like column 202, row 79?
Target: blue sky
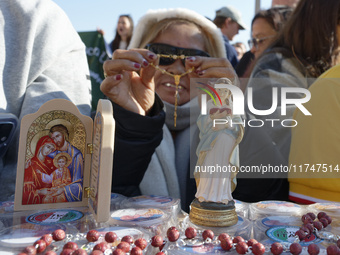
column 87, row 15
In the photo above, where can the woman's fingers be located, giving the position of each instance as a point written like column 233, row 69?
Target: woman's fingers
column 202, row 63
column 211, row 67
column 128, row 60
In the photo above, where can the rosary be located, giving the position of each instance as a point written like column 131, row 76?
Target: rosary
column 177, row 78
column 110, row 243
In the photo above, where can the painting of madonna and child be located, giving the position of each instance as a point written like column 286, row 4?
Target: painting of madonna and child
column 55, row 164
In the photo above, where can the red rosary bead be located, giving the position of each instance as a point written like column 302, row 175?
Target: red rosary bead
column 136, row 251
column 156, row 241
column 92, row 235
column 241, row 248
column 141, row 243
column 226, row 244
column 172, row 234
column 41, row 245
column 190, row 232
column 124, row 246
column 313, row 249
column 118, row 252
column 238, row 239
column 333, row 250
column 71, row 245
column 111, row 237
column 208, row 234
column 258, row 249
column 295, row 248
column 223, row 236
column 58, row 235
column 127, row 239
column 79, row 251
column 276, row 248
column 47, row 238
column 251, row 242
column 103, row 246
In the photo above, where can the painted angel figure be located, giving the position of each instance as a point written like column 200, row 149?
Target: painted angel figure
column 217, row 151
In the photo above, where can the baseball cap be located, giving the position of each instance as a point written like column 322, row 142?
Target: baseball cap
column 231, row 12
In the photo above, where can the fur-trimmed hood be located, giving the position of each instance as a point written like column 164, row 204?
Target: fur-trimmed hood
column 154, row 16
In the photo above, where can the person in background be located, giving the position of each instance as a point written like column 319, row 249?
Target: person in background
column 228, row 19
column 291, row 61
column 265, row 26
column 123, row 33
column 152, row 154
column 240, row 49
column 314, row 150
column 41, row 57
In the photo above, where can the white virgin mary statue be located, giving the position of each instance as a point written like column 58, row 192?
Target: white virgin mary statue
column 217, row 151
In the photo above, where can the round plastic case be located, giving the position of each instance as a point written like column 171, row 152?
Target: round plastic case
column 274, row 208
column 152, row 219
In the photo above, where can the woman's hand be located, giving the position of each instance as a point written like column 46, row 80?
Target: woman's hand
column 129, row 79
column 207, row 67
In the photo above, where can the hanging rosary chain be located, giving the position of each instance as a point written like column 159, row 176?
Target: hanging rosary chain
column 177, row 78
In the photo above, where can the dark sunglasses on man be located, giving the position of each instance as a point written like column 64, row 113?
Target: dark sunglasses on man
column 171, row 51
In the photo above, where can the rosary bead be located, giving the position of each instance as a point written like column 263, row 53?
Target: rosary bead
column 110, row 237
column 324, row 222
column 313, row 249
column 79, row 252
column 47, row 238
column 30, row 250
column 172, row 234
column 103, row 246
column 295, row 248
column 321, row 215
column 118, row 252
column 190, row 232
column 141, row 243
column 333, row 250
column 97, row 252
column 241, row 248
column 251, row 242
column 58, row 235
column 71, row 245
column 66, row 252
column 127, row 239
column 92, row 236
column 301, row 234
column 276, row 248
column 258, row 249
column 54, row 253
column 208, row 234
column 41, row 245
column 238, row 239
column 311, row 215
column 136, row 251
column 223, row 236
column 124, row 246
column 156, row 241
column 226, row 244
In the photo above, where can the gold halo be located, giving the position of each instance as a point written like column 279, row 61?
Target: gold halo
column 55, row 160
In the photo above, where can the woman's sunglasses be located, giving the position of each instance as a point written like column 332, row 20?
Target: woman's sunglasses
column 169, row 54
column 257, row 41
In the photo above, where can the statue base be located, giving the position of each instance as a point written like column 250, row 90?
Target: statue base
column 210, row 214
